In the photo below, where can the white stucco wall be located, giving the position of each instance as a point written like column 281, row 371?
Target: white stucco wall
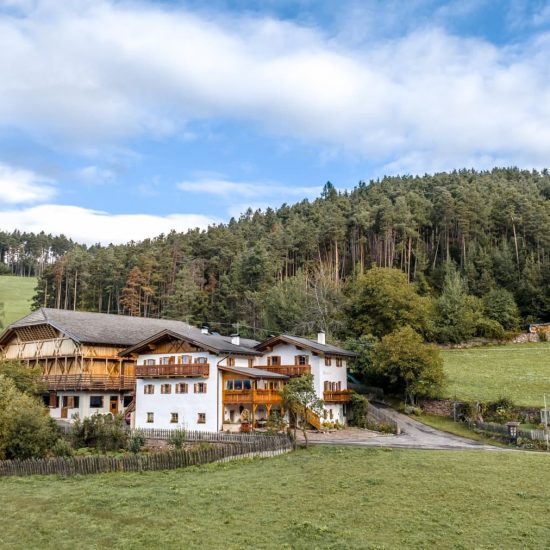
column 83, row 410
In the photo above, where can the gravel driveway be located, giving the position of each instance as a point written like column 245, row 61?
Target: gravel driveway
column 415, row 436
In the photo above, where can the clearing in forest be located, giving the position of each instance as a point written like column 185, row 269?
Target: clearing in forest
column 16, row 294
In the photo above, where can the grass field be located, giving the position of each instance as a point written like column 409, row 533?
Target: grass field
column 324, row 497
column 16, row 293
column 518, row 371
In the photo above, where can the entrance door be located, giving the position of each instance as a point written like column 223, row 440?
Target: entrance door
column 113, row 404
column 64, row 412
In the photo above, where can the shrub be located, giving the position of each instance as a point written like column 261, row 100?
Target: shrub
column 177, row 439
column 359, row 408
column 136, row 442
column 25, row 430
column 276, row 422
column 62, row 448
column 102, row 431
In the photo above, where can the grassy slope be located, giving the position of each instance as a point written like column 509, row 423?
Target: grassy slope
column 16, row 293
column 518, row 371
column 325, row 497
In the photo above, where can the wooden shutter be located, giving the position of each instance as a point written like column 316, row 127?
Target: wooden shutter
column 53, row 400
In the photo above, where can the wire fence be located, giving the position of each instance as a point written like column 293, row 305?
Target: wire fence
column 84, row 465
column 502, row 429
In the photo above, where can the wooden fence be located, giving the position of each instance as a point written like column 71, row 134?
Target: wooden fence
column 97, row 464
column 378, row 416
column 502, row 429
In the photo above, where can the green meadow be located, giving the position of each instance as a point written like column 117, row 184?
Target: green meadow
column 323, row 497
column 518, row 371
column 16, row 294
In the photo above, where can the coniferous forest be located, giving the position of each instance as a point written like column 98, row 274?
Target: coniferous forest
column 473, row 245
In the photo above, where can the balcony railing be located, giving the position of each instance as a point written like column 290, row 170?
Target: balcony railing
column 266, row 397
column 59, row 382
column 336, row 396
column 175, row 371
column 288, row 370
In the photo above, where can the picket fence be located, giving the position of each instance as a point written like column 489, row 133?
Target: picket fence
column 96, row 464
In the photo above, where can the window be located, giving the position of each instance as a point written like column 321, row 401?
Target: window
column 71, row 401
column 328, row 361
column 173, row 418
column 202, row 418
column 238, row 385
column 182, row 387
column 149, row 389
column 230, row 362
column 186, row 359
column 301, row 360
column 333, row 386
column 201, row 360
column 200, row 387
column 229, row 384
column 273, row 360
column 339, row 362
column 250, row 363
column 150, row 418
column 149, row 362
column 247, row 385
column 166, row 388
column 96, row 401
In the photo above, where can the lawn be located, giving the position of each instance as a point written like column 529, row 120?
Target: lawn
column 16, row 293
column 518, row 371
column 324, row 497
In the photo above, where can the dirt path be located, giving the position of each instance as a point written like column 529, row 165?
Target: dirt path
column 415, row 436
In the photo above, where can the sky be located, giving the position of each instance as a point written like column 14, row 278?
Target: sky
column 121, row 120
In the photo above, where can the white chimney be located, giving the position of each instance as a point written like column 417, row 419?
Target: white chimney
column 236, row 339
column 204, row 330
column 321, row 337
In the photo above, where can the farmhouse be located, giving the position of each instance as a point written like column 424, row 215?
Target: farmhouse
column 168, row 373
column 211, row 382
column 78, row 354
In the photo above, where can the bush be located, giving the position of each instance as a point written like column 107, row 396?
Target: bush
column 62, row 448
column 276, row 423
column 26, row 431
column 136, row 442
column 102, row 431
column 177, row 439
column 359, row 406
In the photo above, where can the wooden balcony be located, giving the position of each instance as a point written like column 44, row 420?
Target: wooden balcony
column 254, row 397
column 336, row 396
column 88, row 382
column 199, row 370
column 288, row 370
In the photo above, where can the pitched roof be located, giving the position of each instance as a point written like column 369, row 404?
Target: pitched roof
column 120, row 330
column 313, row 345
column 211, row 342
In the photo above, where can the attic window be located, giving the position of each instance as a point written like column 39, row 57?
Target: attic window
column 201, row 360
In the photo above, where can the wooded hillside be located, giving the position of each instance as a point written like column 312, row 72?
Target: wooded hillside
column 289, row 269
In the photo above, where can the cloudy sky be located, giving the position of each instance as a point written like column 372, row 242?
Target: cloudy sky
column 124, row 119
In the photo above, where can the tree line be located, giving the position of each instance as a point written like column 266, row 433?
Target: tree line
column 467, row 240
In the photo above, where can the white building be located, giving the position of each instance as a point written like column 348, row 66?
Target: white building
column 201, row 381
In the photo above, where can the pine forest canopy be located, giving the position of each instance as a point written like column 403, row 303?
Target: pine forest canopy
column 289, row 269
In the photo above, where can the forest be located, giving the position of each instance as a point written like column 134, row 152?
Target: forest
column 474, row 246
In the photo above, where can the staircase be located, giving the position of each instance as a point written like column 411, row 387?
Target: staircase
column 313, row 419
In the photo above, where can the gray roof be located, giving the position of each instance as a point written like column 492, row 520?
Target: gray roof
column 325, row 349
column 121, row 330
column 252, row 372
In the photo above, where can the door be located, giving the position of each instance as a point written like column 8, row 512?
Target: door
column 64, row 412
column 113, row 404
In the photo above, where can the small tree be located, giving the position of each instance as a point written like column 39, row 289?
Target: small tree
column 298, row 397
column 26, row 379
column 25, row 431
column 410, row 367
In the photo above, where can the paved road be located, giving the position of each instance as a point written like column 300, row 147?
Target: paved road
column 415, row 436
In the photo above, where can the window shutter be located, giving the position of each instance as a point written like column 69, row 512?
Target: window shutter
column 195, row 386
column 296, row 359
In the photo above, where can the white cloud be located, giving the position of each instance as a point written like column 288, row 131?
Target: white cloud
column 95, row 175
column 92, row 226
column 223, row 187
column 90, row 72
column 18, row 186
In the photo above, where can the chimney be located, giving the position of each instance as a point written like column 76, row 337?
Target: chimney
column 236, row 339
column 204, row 330
column 321, row 337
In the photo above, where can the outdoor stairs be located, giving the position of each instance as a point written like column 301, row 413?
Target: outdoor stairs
column 313, row 419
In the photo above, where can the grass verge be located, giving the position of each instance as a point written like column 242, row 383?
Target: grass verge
column 323, row 497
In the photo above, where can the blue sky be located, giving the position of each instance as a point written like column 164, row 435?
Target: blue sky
column 120, row 120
